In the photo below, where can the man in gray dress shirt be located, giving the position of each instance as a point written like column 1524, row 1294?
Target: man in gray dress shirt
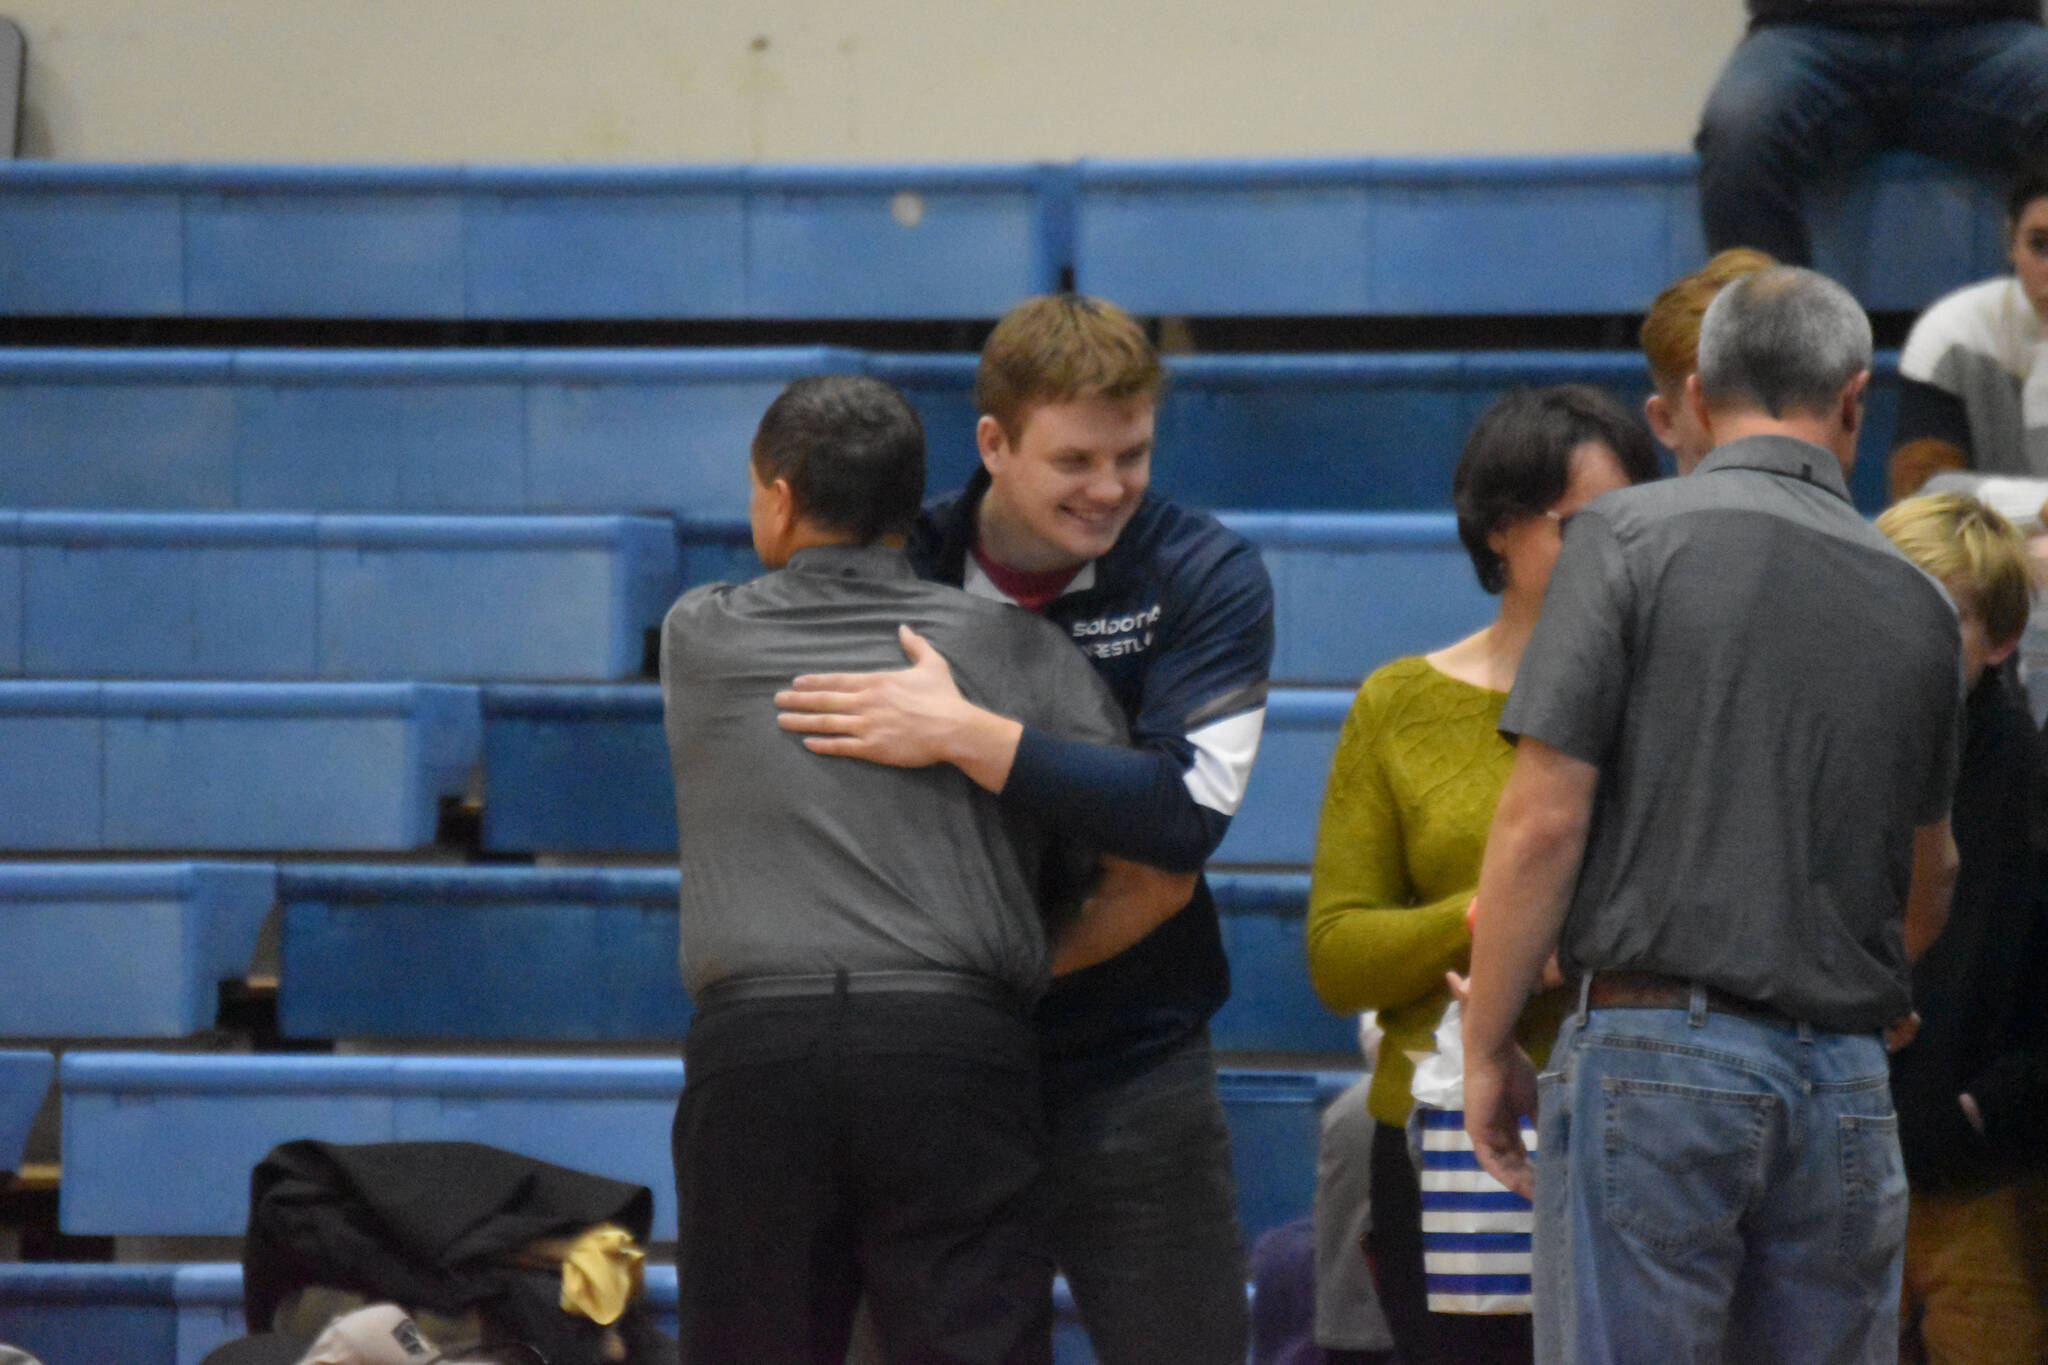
column 860, row 1111
column 1737, row 729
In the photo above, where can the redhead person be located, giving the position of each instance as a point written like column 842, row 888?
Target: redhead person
column 1418, row 768
column 1973, row 383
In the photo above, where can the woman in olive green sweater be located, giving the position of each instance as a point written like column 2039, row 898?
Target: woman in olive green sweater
column 1418, row 769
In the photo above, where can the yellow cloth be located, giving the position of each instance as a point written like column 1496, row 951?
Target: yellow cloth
column 601, row 1273
column 1418, row 770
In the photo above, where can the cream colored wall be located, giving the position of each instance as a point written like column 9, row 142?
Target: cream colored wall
column 858, row 80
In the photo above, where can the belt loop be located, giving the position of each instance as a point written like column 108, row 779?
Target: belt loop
column 1697, row 1015
column 1585, row 993
column 842, row 982
column 1805, row 1032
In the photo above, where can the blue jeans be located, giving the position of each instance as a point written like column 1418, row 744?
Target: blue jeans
column 1798, row 103
column 1710, row 1188
column 1144, row 1214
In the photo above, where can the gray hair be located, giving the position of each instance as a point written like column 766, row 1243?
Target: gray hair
column 1782, row 340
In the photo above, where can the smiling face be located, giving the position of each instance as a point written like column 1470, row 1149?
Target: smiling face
column 1063, row 490
column 1528, row 546
column 2029, row 247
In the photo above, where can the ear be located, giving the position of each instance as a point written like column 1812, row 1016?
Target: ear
column 782, row 510
column 992, row 441
column 1657, row 411
column 1853, row 394
column 2000, row 653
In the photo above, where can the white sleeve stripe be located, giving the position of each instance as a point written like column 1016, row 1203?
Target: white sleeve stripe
column 1224, row 751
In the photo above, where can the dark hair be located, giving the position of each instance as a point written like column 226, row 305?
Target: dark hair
column 852, row 449
column 2030, row 184
column 1518, row 460
column 1784, row 340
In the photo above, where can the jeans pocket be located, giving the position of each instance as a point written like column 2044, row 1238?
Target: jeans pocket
column 1679, row 1162
column 1873, row 1190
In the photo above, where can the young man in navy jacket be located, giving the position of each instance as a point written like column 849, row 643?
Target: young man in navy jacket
column 1176, row 613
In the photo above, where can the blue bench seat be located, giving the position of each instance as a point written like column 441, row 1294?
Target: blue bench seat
column 129, row 1117
column 533, row 242
column 137, row 1314
column 124, row 950
column 162, row 766
column 366, row 953
column 667, row 430
column 1443, row 235
column 260, row 596
column 1488, row 235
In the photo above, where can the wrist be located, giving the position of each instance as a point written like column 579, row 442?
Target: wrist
column 983, row 745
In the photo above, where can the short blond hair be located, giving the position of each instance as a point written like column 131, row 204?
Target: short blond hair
column 1054, row 348
column 1968, row 546
column 1671, row 329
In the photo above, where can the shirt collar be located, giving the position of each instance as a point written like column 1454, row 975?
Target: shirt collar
column 852, row 561
column 1787, row 456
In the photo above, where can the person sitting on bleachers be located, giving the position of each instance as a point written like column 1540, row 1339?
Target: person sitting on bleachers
column 861, row 1109
column 1972, row 391
column 1972, row 1085
column 1817, row 87
column 1418, row 767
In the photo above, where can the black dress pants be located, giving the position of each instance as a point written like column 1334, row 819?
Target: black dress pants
column 886, row 1144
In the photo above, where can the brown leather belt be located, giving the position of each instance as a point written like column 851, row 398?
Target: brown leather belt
column 1656, row 991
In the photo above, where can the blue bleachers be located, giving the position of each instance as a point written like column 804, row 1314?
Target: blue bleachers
column 132, row 1314
column 585, row 769
column 370, row 952
column 1277, row 822
column 24, row 1079
column 577, row 768
column 166, row 766
column 270, row 595
column 129, row 1117
column 667, row 430
column 1487, row 235
column 124, row 950
column 366, row 953
column 1340, row 236
column 524, row 242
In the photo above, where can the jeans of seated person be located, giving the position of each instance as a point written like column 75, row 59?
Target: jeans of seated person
column 1144, row 1215
column 1801, row 103
column 1710, row 1187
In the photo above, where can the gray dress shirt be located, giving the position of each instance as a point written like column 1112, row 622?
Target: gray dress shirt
column 1772, row 694
column 797, row 863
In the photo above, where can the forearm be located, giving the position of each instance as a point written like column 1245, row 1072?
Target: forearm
column 1130, row 902
column 1133, row 803
column 1525, row 884
column 1932, row 882
column 1363, row 956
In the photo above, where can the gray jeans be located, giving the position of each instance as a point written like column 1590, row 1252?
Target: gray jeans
column 1145, row 1215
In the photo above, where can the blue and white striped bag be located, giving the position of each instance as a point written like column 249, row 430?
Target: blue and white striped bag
column 1475, row 1230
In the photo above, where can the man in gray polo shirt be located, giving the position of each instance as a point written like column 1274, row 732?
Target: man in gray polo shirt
column 1737, row 732
column 860, row 1110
